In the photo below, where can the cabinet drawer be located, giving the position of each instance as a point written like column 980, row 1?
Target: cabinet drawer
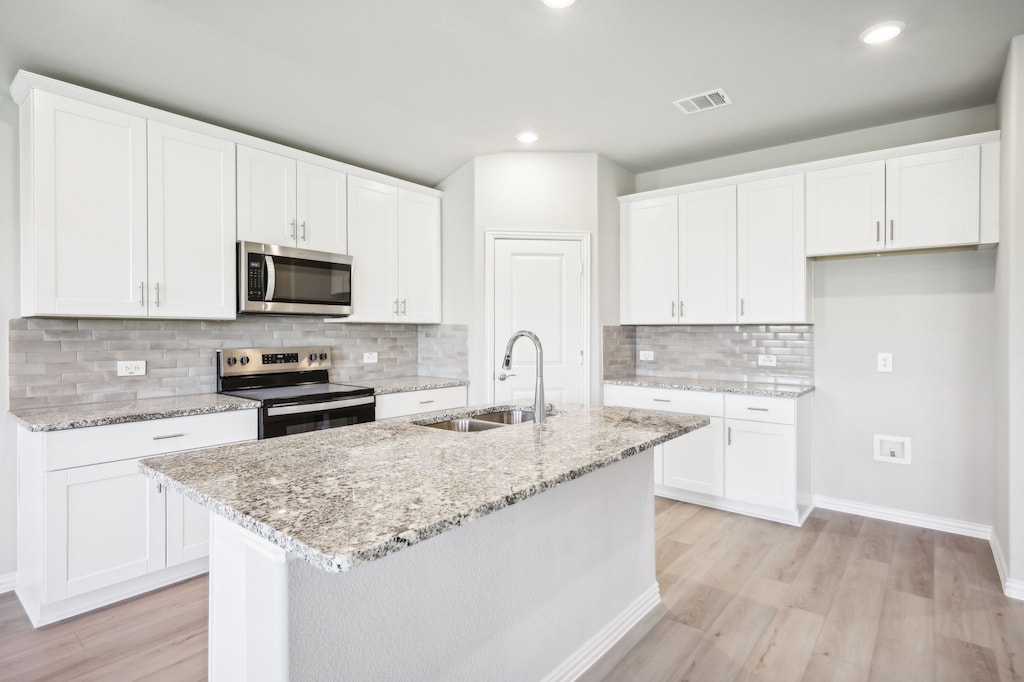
column 415, row 402
column 665, row 399
column 97, row 444
column 760, row 409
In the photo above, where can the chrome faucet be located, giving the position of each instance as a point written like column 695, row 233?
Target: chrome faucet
column 538, row 396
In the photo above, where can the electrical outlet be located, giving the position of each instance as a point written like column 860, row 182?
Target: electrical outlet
column 892, row 449
column 647, row 355
column 131, row 368
column 885, row 362
column 369, row 358
column 767, row 361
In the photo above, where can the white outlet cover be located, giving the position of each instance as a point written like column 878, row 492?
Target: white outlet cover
column 885, row 362
column 647, row 355
column 369, row 358
column 892, row 449
column 767, row 361
column 131, row 368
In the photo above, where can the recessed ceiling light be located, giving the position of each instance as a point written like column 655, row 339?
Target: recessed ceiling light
column 558, row 4
column 527, row 137
column 880, row 33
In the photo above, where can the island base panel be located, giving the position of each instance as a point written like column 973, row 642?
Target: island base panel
column 531, row 591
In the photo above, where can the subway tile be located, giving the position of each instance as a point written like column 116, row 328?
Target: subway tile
column 48, row 323
column 94, row 324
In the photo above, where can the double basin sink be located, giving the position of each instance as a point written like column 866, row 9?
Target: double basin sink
column 483, row 422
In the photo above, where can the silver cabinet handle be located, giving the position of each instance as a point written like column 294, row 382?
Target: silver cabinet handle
column 157, row 287
column 142, row 294
column 426, row 402
column 395, row 306
column 159, row 488
column 661, row 400
column 758, row 409
column 729, row 441
column 293, row 228
column 681, row 309
column 878, row 230
column 503, row 376
column 673, row 310
column 303, row 237
column 742, row 307
column 169, row 435
column 892, row 230
column 403, row 306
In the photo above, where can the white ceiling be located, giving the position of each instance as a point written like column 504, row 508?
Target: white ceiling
column 415, row 88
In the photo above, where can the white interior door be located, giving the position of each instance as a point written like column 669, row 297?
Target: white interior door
column 539, row 286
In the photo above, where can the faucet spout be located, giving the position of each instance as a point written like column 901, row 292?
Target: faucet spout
column 538, row 393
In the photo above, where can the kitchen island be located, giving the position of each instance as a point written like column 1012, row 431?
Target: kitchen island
column 319, row 569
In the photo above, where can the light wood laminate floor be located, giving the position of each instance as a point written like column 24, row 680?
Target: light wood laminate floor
column 843, row 598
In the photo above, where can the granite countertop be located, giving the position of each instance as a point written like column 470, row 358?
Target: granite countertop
column 410, row 383
column 342, row 497
column 61, row 417
column 770, row 390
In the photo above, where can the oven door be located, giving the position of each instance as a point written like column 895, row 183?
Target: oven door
column 289, row 418
column 282, row 279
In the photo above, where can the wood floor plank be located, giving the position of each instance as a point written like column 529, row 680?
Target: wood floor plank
column 848, row 633
column 785, row 649
column 913, row 562
column 784, row 560
column 818, row 578
column 1006, row 619
column 904, row 644
column 823, row 669
column 728, row 642
column 960, row 601
column 665, row 649
column 957, row 661
column 876, row 540
column 844, row 524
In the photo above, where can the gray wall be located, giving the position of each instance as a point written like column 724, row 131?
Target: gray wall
column 1008, row 492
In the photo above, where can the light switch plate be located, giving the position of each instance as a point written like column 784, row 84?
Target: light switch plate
column 767, row 361
column 885, row 362
column 369, row 358
column 131, row 368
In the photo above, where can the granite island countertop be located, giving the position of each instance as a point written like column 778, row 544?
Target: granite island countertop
column 346, row 496
column 61, row 417
column 765, row 389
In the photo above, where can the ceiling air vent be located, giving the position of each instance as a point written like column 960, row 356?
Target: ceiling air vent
column 712, row 99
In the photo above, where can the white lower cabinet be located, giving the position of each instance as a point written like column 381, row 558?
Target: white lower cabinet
column 93, row 532
column 416, row 402
column 753, row 458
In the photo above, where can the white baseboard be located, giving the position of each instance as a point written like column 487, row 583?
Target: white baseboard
column 1011, row 588
column 598, row 645
column 7, row 582
column 974, row 530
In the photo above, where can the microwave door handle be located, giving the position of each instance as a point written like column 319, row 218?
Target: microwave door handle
column 271, row 279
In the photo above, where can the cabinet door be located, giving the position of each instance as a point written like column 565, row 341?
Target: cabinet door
column 649, row 271
column 86, row 208
column 760, row 463
column 372, row 243
column 105, row 525
column 419, row 257
column 191, row 224
column 933, row 199
column 696, row 461
column 846, row 209
column 188, row 529
column 707, row 256
column 266, row 197
column 772, row 268
column 322, row 208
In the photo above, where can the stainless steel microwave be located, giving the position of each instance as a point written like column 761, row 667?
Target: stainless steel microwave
column 284, row 280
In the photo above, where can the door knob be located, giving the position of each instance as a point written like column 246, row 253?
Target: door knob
column 503, row 376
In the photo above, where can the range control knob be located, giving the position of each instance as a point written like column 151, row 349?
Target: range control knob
column 323, row 356
column 245, row 359
column 232, row 361
column 312, row 357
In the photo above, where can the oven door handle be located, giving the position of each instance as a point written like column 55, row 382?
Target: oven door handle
column 299, row 408
column 271, row 278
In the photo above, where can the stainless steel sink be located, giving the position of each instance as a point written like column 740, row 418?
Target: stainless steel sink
column 507, row 416
column 464, row 425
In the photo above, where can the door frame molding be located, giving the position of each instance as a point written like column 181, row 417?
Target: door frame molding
column 492, row 236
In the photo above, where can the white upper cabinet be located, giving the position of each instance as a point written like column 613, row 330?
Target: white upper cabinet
column 395, row 243
column 926, row 200
column 707, row 256
column 83, row 204
column 649, row 269
column 771, row 266
column 191, row 224
column 266, row 197
column 291, row 203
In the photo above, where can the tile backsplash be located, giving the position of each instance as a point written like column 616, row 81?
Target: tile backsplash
column 58, row 362
column 721, row 352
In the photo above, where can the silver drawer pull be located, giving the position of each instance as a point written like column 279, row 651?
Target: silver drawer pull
column 662, row 400
column 729, row 437
column 426, row 402
column 159, row 488
column 170, row 435
column 758, row 409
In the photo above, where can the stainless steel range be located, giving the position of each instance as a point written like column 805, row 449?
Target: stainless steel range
column 293, row 388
